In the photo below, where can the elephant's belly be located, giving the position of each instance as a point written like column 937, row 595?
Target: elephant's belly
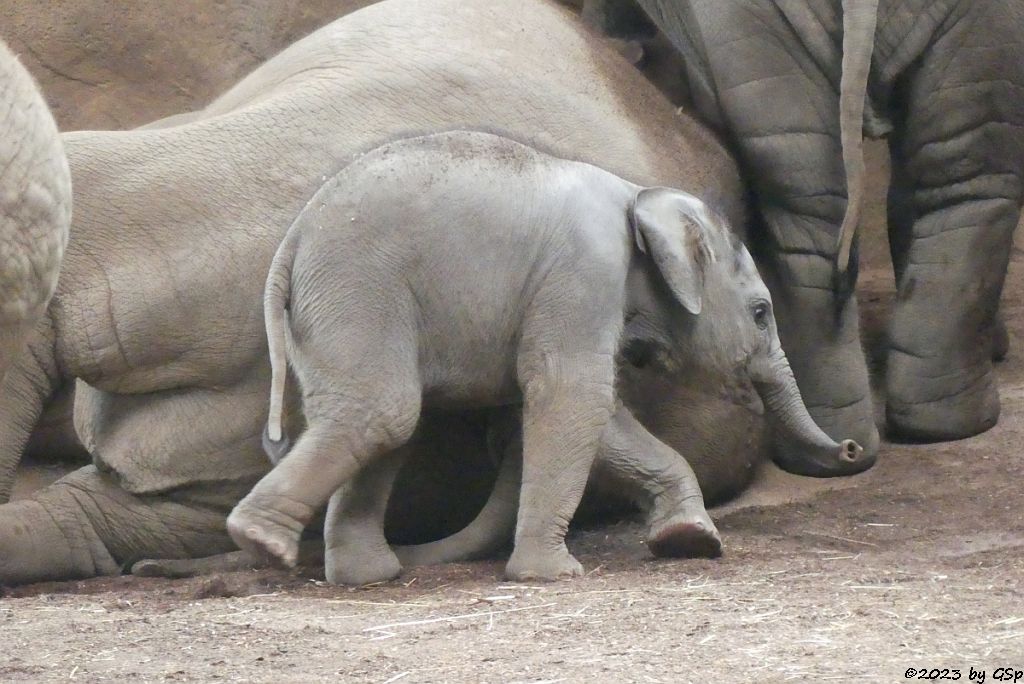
column 467, row 398
column 454, row 382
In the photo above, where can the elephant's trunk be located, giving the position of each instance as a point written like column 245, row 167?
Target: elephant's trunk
column 859, row 19
column 808, row 450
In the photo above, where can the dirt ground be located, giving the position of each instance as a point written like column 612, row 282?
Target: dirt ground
column 918, row 563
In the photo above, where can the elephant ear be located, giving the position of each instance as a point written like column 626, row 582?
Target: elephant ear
column 671, row 227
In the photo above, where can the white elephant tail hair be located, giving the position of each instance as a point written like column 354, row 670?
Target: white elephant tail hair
column 859, row 20
column 276, row 295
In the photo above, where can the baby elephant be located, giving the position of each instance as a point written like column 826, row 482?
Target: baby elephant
column 463, row 269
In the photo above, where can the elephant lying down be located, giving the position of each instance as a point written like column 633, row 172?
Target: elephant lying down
column 159, row 309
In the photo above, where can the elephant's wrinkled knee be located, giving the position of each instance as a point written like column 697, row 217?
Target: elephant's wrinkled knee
column 49, row 538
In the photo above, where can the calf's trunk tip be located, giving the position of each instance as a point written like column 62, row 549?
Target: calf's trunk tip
column 803, row 447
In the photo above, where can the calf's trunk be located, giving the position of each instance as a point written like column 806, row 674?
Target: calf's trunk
column 803, row 447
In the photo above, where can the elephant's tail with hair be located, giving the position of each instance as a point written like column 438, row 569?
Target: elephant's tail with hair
column 275, row 300
column 859, row 20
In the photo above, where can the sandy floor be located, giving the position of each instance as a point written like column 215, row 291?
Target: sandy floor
column 918, row 563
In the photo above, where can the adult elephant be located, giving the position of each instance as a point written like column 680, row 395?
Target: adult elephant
column 107, row 64
column 791, row 85
column 35, row 212
column 159, row 305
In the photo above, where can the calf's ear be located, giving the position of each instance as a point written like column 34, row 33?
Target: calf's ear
column 671, row 227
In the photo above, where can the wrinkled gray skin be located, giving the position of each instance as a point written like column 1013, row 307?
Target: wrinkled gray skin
column 944, row 79
column 35, row 213
column 464, row 269
column 159, row 303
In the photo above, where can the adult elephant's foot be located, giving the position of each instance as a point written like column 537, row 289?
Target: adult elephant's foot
column 529, row 562
column 273, row 531
column 930, row 400
column 687, row 534
column 46, row 539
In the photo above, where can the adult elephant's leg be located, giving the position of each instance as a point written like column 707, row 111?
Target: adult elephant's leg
column 24, row 391
column 86, row 525
column 960, row 158
column 178, row 461
column 776, row 81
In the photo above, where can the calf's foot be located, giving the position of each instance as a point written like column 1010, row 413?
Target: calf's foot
column 273, row 531
column 530, row 563
column 689, row 533
column 356, row 567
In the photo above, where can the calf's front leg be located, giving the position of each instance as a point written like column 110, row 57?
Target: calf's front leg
column 661, row 481
column 568, row 399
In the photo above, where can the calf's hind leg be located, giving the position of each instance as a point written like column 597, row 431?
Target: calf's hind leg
column 360, row 404
column 356, row 551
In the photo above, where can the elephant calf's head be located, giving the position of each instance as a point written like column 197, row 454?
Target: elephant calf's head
column 700, row 303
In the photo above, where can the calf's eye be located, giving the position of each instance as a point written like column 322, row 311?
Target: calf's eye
column 760, row 312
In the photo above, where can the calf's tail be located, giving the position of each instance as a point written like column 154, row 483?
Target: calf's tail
column 276, row 296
